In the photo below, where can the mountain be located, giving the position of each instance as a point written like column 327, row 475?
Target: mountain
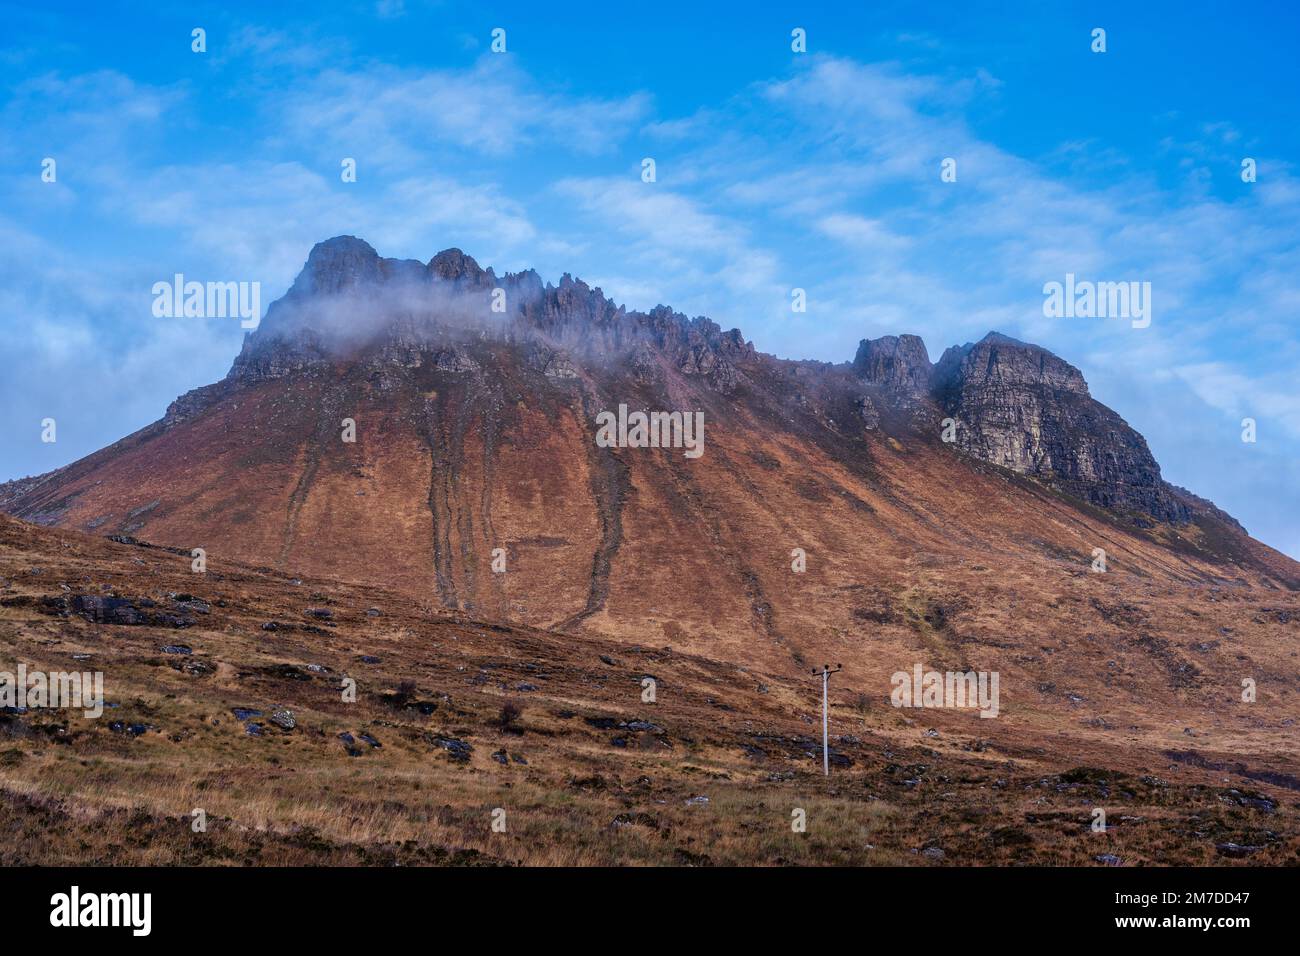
column 489, row 538
column 476, row 400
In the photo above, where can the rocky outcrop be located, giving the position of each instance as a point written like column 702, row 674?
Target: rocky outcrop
column 194, row 402
column 452, row 265
column 345, row 263
column 550, row 362
column 998, row 360
column 897, row 363
column 1021, row 407
column 348, row 300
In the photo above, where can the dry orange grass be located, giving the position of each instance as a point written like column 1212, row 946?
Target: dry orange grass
column 592, row 793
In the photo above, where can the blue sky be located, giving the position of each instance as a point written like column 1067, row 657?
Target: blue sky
column 774, row 170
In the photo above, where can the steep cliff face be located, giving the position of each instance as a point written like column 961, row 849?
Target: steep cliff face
column 897, row 363
column 1021, row 407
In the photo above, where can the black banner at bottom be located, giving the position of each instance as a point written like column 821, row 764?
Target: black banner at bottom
column 333, row 905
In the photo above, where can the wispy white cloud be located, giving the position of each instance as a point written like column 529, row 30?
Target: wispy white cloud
column 396, row 115
column 713, row 260
column 1230, row 391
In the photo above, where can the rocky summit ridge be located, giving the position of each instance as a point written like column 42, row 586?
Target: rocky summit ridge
column 1014, row 405
column 348, row 299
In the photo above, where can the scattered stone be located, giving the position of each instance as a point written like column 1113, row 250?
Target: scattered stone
column 458, row 749
column 284, row 719
column 685, row 857
column 193, row 667
column 1236, row 850
column 117, row 610
column 638, row 819
column 286, row 672
column 1256, row 801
